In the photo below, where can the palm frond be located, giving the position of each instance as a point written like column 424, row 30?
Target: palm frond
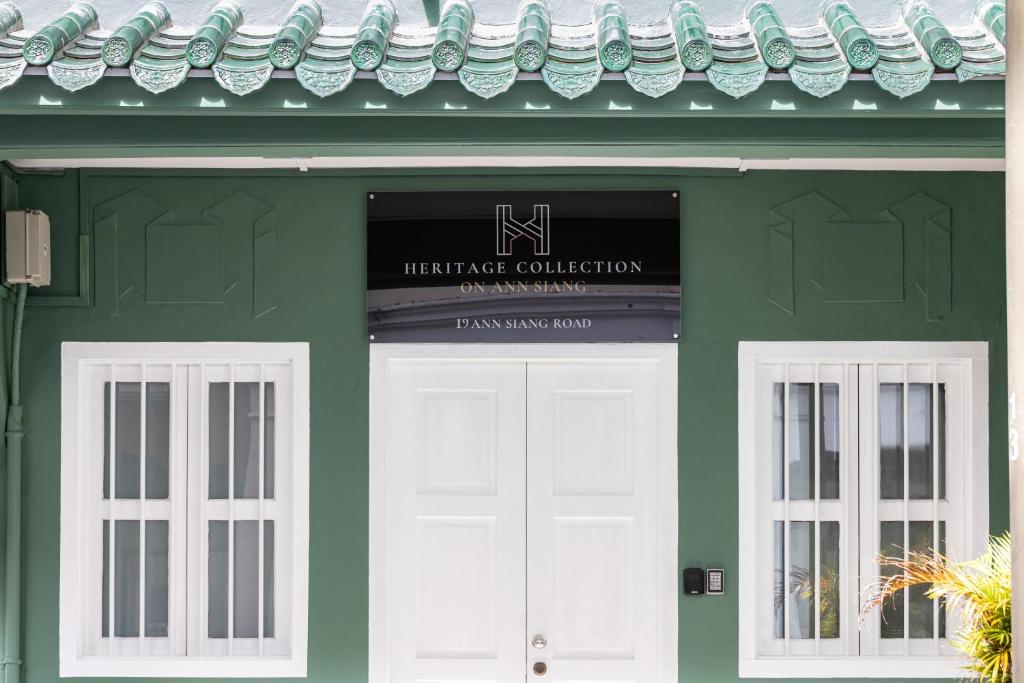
column 979, row 589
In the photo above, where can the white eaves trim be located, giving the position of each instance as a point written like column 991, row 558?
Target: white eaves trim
column 399, row 162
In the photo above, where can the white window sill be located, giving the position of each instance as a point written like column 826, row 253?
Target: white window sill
column 852, row 667
column 184, row 667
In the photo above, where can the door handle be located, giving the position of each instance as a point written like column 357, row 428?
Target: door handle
column 539, row 641
column 540, row 668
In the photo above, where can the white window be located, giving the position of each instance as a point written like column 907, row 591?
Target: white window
column 184, row 509
column 850, row 451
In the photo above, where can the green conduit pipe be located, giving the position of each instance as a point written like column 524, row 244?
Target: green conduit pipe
column 12, row 554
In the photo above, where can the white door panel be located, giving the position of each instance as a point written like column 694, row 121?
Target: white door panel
column 592, row 519
column 516, row 491
column 455, row 540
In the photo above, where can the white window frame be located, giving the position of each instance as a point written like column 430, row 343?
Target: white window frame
column 856, row 362
column 186, row 366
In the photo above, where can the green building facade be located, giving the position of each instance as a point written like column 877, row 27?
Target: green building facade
column 819, row 207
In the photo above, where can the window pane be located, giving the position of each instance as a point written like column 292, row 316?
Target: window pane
column 891, row 535
column 247, row 439
column 246, row 570
column 778, row 442
column 890, row 440
column 829, row 437
column 801, row 441
column 158, row 439
column 126, row 578
column 268, row 578
column 218, row 440
column 919, row 429
column 942, row 601
column 156, row 578
column 942, row 441
column 105, row 586
column 779, row 578
column 269, row 408
column 922, row 609
column 127, row 439
column 217, row 592
column 829, row 584
column 802, row 580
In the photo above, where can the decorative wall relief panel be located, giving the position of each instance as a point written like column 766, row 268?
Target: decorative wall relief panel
column 863, row 262
column 149, row 253
column 814, row 245
column 250, row 243
column 184, row 263
column 795, row 246
column 120, row 245
column 928, row 226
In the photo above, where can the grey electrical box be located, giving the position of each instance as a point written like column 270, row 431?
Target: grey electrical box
column 28, row 248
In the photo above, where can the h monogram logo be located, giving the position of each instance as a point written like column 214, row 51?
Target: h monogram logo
column 537, row 229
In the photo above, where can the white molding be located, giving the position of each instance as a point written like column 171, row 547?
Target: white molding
column 75, row 357
column 852, row 667
column 873, row 351
column 381, row 355
column 994, row 165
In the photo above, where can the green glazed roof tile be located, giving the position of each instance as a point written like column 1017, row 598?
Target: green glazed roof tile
column 11, row 70
column 325, row 78
column 691, row 35
column 47, row 44
column 242, row 77
column 406, row 77
column 371, row 40
column 655, row 79
column 291, row 41
column 738, row 79
column 942, row 48
column 488, row 79
column 992, row 14
column 533, row 29
column 209, row 40
column 126, row 41
column 74, row 74
column 850, row 35
column 572, row 80
column 613, row 43
column 773, row 40
column 158, row 75
column 488, row 59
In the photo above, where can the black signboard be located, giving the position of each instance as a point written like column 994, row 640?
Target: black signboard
column 522, row 266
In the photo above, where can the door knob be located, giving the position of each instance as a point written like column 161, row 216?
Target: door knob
column 540, row 668
column 539, row 641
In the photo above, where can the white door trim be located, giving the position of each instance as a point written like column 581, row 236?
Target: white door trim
column 382, row 355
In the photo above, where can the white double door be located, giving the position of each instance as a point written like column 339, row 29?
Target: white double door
column 523, row 513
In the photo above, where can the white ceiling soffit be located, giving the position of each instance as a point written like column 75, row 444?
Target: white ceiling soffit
column 399, row 162
column 872, row 13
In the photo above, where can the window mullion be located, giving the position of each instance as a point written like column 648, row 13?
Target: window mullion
column 905, row 595
column 112, row 496
column 180, row 577
column 231, row 509
column 850, row 492
column 785, row 512
column 260, row 495
column 203, row 539
column 935, row 490
column 816, row 486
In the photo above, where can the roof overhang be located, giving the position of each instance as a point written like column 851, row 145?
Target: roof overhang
column 114, row 119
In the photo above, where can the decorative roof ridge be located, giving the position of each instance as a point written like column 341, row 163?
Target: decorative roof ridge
column 653, row 56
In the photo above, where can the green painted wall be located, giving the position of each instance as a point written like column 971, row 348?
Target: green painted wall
column 282, row 258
